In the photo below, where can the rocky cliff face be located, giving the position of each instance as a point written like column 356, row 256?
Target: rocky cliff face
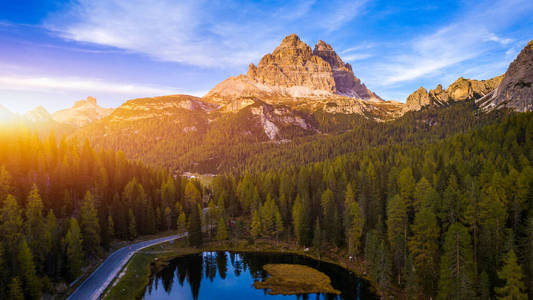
column 346, row 83
column 516, row 88
column 418, row 99
column 291, row 71
column 292, row 64
column 460, row 90
column 82, row 113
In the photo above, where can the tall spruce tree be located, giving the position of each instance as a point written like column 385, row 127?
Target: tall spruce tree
column 222, row 232
column 26, row 270
column 397, row 230
column 424, row 248
column 457, row 265
column 74, row 250
column 132, row 225
column 90, row 226
column 255, row 226
column 195, row 228
column 353, row 222
column 39, row 238
column 512, row 276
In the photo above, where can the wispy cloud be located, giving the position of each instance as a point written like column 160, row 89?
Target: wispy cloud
column 341, row 13
column 462, row 40
column 195, row 32
column 47, row 84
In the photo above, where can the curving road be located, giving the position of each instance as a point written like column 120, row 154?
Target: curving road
column 96, row 283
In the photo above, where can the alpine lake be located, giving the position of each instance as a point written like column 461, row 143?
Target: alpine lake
column 239, row 275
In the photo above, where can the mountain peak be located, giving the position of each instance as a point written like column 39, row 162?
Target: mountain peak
column 294, row 70
column 82, row 113
column 90, row 100
column 38, row 115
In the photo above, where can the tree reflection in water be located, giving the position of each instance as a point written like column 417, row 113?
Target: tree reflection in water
column 237, row 274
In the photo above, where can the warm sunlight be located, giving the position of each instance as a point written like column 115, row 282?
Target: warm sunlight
column 266, row 149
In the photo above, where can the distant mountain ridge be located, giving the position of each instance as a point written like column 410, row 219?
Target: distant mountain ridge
column 292, row 94
column 460, row 90
column 82, row 113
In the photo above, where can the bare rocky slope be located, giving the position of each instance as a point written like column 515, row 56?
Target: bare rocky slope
column 516, row 88
column 460, row 90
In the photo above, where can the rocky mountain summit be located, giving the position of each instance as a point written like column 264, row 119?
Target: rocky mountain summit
column 516, row 88
column 460, row 90
column 38, row 115
column 82, row 113
column 303, row 79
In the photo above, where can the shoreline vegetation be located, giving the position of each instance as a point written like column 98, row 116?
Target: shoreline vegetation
column 290, row 279
column 133, row 280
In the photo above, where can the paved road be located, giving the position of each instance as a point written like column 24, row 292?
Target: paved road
column 95, row 284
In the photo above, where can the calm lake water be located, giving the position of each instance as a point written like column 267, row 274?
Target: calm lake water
column 229, row 275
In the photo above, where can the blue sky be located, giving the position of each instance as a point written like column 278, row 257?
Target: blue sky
column 53, row 53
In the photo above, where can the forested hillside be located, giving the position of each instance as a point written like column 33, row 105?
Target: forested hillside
column 450, row 219
column 62, row 204
column 430, row 124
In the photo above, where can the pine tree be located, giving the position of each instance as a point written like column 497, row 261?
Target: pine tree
column 493, row 216
column 182, row 222
column 15, row 290
column 424, row 247
column 222, row 232
column 279, row 223
column 192, row 196
column 298, row 220
column 132, row 226
column 110, row 227
column 317, row 238
column 168, row 217
column 457, row 265
column 406, row 187
column 331, row 220
column 74, row 250
column 5, row 183
column 511, row 274
column 255, row 226
column 423, row 194
column 39, row 239
column 90, row 226
column 4, row 272
column 397, row 225
column 10, row 223
column 30, row 282
column 195, row 228
column 353, row 222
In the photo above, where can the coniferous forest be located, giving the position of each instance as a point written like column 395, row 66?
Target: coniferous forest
column 440, row 218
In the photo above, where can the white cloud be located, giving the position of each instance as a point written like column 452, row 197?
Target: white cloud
column 340, row 13
column 48, row 84
column 494, row 38
column 356, row 56
column 460, row 41
column 196, row 32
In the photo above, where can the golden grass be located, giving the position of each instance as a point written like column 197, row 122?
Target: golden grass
column 289, row 279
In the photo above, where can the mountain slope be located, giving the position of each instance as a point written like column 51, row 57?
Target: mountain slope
column 516, row 89
column 82, row 113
